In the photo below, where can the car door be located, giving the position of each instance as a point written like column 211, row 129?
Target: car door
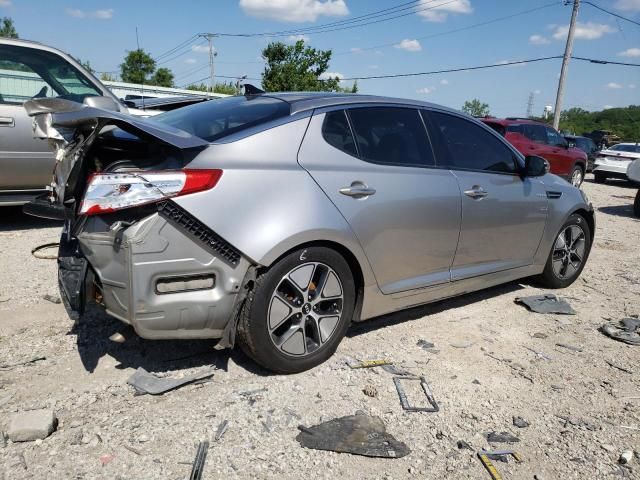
column 377, row 167
column 25, row 163
column 557, row 153
column 503, row 214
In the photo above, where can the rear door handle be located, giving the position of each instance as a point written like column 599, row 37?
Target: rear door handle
column 7, row 121
column 357, row 190
column 476, row 192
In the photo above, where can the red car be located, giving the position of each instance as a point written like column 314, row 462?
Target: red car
column 535, row 138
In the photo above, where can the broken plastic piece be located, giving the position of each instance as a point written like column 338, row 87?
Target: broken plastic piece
column 626, row 330
column 145, row 382
column 486, row 457
column 547, row 303
column 502, row 437
column 367, row 363
column 356, row 434
column 198, row 463
column 221, row 429
column 393, row 370
column 427, row 391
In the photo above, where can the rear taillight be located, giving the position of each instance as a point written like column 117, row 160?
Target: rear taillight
column 107, row 192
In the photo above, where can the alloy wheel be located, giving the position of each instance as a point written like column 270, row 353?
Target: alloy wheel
column 305, row 309
column 576, row 178
column 568, row 252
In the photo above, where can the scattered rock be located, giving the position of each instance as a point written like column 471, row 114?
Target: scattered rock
column 476, row 382
column 118, row 338
column 462, row 444
column 540, row 335
column 370, row 391
column 608, row 448
column 51, row 298
column 143, row 438
column 625, row 457
column 32, row 425
column 462, row 344
column 520, row 422
column 502, row 437
column 424, row 344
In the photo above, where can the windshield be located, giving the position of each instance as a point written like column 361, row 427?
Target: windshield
column 32, row 73
column 626, row 148
column 215, row 119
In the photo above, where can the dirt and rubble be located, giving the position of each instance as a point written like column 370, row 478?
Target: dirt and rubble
column 568, row 393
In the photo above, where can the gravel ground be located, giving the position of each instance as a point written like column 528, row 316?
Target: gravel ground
column 483, row 371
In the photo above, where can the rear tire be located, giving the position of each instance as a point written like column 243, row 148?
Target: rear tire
column 298, row 311
column 569, row 253
column 577, row 176
column 599, row 177
column 636, row 205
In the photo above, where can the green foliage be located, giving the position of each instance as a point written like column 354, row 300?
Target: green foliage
column 227, row 88
column 7, row 29
column 107, row 77
column 163, row 78
column 624, row 122
column 296, row 68
column 86, row 65
column 476, row 108
column 137, row 67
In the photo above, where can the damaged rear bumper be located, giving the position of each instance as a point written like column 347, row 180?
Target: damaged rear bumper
column 167, row 275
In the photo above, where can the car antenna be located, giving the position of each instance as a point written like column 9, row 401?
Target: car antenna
column 251, row 90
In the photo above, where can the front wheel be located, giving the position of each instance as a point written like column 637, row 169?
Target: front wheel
column 298, row 311
column 568, row 254
column 577, row 176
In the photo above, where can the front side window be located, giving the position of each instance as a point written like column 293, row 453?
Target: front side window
column 392, row 136
column 471, row 147
column 554, row 138
column 535, row 133
column 27, row 73
column 336, row 131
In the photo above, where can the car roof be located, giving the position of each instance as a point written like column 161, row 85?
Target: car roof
column 303, row 101
column 510, row 121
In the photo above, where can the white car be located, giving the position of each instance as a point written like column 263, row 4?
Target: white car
column 614, row 161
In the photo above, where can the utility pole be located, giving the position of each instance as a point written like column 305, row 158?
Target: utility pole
column 530, row 105
column 212, row 54
column 565, row 64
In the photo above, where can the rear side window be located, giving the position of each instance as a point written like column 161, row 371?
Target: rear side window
column 535, row 133
column 215, row 119
column 471, row 147
column 392, row 136
column 336, row 131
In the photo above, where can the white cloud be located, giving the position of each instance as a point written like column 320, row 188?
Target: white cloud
column 356, row 50
column 5, row 3
column 606, row 107
column 439, row 13
column 295, row 38
column 538, row 40
column 630, row 52
column 190, row 61
column 632, row 85
column 444, row 81
column 104, row 14
column 584, row 31
column 426, row 90
column 201, row 48
column 614, row 85
column 409, row 45
column 328, row 75
column 537, row 92
column 628, row 5
column 294, row 10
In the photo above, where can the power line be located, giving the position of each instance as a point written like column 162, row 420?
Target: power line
column 606, row 62
column 611, row 13
column 188, row 41
column 178, row 54
column 456, row 30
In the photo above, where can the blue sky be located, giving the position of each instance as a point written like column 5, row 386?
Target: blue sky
column 101, row 31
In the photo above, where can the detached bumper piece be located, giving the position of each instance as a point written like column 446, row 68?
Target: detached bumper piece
column 199, row 232
column 72, row 274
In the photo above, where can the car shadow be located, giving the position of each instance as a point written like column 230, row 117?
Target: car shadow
column 615, row 182
column 415, row 313
column 14, row 219
column 619, row 210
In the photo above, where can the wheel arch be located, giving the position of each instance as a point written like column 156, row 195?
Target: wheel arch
column 589, row 216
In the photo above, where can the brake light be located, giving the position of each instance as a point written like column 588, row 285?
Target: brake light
column 107, row 192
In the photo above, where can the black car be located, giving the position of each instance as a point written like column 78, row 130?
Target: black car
column 585, row 144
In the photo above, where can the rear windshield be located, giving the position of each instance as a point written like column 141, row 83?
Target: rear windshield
column 215, row 119
column 626, row 148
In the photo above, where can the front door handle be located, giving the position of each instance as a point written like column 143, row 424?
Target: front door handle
column 357, row 190
column 7, row 121
column 476, row 192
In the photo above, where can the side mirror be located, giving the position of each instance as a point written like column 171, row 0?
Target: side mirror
column 535, row 166
column 571, row 144
column 104, row 103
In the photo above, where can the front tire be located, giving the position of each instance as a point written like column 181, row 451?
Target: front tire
column 569, row 253
column 577, row 176
column 298, row 311
column 599, row 177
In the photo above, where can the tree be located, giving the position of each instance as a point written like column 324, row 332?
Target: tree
column 107, row 77
column 476, row 108
column 227, row 88
column 137, row 67
column 163, row 78
column 86, row 65
column 7, row 29
column 297, row 68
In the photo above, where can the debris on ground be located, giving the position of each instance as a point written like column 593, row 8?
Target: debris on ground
column 625, row 457
column 618, row 367
column 32, row 425
column 356, row 434
column 118, row 338
column 198, row 464
column 464, row 445
column 105, row 459
column 52, row 299
column 20, row 364
column 426, row 389
column 393, row 370
column 222, row 428
column 500, row 455
column 132, row 450
column 462, row 344
column 502, row 437
column 144, row 382
column 520, row 422
column 573, row 348
column 425, row 345
column 355, row 364
column 626, row 330
column 547, row 303
column 370, row 391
